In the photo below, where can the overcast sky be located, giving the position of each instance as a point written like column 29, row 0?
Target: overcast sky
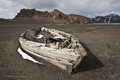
column 89, row 8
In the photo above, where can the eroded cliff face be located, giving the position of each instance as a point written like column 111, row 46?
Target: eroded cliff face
column 55, row 15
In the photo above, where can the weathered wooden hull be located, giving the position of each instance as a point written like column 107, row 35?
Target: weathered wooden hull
column 67, row 55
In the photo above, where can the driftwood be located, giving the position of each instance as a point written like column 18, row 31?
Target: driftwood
column 59, row 48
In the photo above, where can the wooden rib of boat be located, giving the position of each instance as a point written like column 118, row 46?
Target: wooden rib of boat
column 57, row 47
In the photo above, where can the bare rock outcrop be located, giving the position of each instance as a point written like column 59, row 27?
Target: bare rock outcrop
column 55, row 15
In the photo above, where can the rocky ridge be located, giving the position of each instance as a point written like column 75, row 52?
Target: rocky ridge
column 111, row 18
column 55, row 15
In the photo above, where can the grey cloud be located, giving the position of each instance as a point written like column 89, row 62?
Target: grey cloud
column 89, row 6
column 8, row 9
column 81, row 7
column 39, row 4
column 93, row 7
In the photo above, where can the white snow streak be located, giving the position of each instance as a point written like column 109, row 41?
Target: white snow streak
column 39, row 36
column 26, row 56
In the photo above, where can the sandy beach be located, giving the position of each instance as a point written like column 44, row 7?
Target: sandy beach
column 102, row 43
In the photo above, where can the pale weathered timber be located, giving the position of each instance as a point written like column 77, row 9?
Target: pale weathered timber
column 57, row 47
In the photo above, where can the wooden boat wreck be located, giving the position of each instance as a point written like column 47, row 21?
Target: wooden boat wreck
column 57, row 47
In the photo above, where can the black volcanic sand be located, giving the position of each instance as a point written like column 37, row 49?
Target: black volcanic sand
column 102, row 43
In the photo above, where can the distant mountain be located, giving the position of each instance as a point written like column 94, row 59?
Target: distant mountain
column 55, row 15
column 111, row 18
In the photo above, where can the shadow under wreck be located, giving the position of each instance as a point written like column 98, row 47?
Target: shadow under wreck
column 90, row 62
